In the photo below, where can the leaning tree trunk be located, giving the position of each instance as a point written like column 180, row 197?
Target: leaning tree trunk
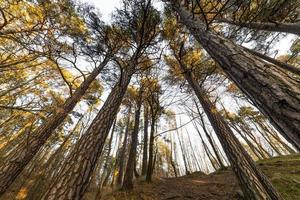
column 256, row 151
column 210, row 157
column 254, row 183
column 218, row 156
column 128, row 178
column 274, row 61
column 273, row 133
column 73, row 179
column 280, row 27
column 145, row 147
column 13, row 163
column 275, row 93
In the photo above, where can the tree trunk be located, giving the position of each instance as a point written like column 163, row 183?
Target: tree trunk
column 145, row 147
column 254, row 183
column 273, row 91
column 245, row 129
column 12, row 164
column 73, row 178
column 136, row 173
column 128, row 178
column 218, row 156
column 108, row 166
column 151, row 146
column 268, row 138
column 293, row 28
column 123, row 151
column 47, row 170
column 173, row 160
column 193, row 153
column 183, row 152
column 272, row 132
column 251, row 146
column 274, row 61
column 211, row 158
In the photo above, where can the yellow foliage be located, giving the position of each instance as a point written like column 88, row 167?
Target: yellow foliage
column 22, row 194
column 232, row 88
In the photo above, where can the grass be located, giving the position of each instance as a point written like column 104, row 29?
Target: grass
column 284, row 173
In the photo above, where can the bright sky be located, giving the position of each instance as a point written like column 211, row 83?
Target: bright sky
column 105, row 7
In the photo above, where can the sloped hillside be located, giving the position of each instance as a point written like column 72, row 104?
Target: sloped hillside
column 284, row 172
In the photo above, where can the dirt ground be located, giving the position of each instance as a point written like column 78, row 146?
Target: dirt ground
column 284, row 172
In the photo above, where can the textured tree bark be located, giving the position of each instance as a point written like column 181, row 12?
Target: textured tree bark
column 48, row 169
column 13, row 163
column 145, row 147
column 274, row 61
column 128, row 178
column 123, row 150
column 253, row 182
column 72, row 180
column 274, row 92
column 293, row 28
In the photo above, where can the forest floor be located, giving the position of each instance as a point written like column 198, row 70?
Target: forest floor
column 284, row 172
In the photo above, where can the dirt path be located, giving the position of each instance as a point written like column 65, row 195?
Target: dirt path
column 284, row 172
column 194, row 186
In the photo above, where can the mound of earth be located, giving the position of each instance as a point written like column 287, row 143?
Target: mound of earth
column 284, row 172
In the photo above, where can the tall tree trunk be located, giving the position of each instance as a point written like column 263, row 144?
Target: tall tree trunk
column 136, row 173
column 269, row 139
column 193, row 153
column 273, row 133
column 173, row 164
column 123, row 150
column 273, row 91
column 128, row 178
column 218, row 156
column 145, row 147
column 245, row 129
column 151, row 146
column 73, row 178
column 173, row 159
column 12, row 164
column 108, row 165
column 293, row 28
column 52, row 164
column 254, row 183
column 211, row 158
column 185, row 162
column 252, row 147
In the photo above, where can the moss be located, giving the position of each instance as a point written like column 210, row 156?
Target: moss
column 284, row 173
